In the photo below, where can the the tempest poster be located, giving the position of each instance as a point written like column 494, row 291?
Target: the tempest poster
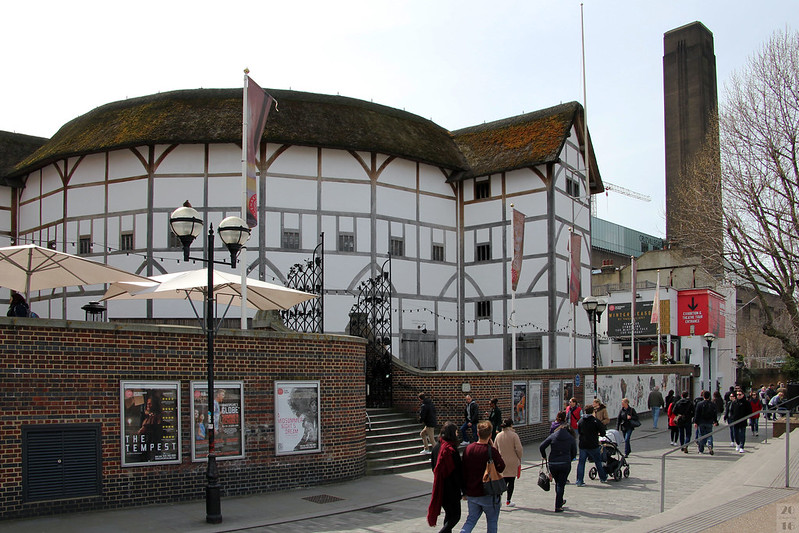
column 150, row 421
column 297, row 418
column 227, row 418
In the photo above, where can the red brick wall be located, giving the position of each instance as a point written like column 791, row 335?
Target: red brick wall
column 62, row 372
column 445, row 389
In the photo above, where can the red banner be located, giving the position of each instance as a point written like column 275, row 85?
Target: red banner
column 574, row 275
column 518, row 248
column 258, row 105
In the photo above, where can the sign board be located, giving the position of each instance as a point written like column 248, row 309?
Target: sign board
column 297, row 417
column 700, row 311
column 150, row 422
column 228, row 420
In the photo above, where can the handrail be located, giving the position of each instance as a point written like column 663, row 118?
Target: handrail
column 783, row 411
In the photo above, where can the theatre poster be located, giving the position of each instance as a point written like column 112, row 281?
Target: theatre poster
column 297, row 417
column 150, row 422
column 227, row 417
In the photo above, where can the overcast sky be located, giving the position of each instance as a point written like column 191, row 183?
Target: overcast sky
column 459, row 63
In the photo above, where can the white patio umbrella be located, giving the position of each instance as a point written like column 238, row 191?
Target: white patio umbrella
column 193, row 284
column 30, row 267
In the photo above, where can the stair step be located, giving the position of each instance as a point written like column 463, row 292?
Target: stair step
column 393, row 443
column 396, row 469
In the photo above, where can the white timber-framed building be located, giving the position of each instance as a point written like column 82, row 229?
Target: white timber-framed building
column 374, row 180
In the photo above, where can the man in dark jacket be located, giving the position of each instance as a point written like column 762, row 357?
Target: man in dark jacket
column 683, row 411
column 589, row 430
column 471, row 414
column 705, row 417
column 427, row 416
column 739, row 409
column 475, row 458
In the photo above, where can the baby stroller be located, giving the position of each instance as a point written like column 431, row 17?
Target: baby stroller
column 613, row 460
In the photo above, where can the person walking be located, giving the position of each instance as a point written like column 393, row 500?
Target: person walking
column 655, row 403
column 471, row 415
column 563, row 450
column 728, row 416
column 427, row 416
column 754, row 422
column 669, row 399
column 739, row 409
column 510, row 447
column 683, row 415
column 626, row 422
column 601, row 412
column 475, row 458
column 573, row 413
column 589, row 429
column 705, row 417
column 495, row 416
column 674, row 430
column 447, row 479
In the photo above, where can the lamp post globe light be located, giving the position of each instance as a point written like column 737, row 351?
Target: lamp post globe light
column 594, row 307
column 187, row 225
column 709, row 338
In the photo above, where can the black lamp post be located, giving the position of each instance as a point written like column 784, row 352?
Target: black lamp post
column 594, row 307
column 187, row 225
column 709, row 337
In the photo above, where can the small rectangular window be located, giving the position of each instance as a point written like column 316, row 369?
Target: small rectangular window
column 483, row 310
column 85, row 245
column 483, row 252
column 346, row 242
column 291, row 239
column 572, row 187
column 397, row 247
column 482, row 189
column 438, row 252
column 126, row 241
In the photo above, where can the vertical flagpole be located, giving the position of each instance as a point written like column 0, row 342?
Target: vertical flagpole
column 632, row 308
column 587, row 188
column 512, row 298
column 658, row 311
column 243, row 253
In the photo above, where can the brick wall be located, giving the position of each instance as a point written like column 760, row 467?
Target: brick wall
column 67, row 372
column 446, row 390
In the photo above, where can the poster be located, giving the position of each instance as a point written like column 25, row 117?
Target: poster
column 534, row 403
column 297, row 417
column 150, row 422
column 555, row 399
column 228, row 415
column 519, row 396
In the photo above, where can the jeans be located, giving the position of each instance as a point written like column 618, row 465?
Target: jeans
column 704, row 429
column 627, row 435
column 685, row 434
column 596, row 457
column 479, row 505
column 740, row 434
column 468, row 434
column 560, row 473
column 655, row 416
column 755, row 425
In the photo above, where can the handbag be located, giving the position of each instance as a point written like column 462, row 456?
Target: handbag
column 634, row 422
column 493, row 483
column 543, row 476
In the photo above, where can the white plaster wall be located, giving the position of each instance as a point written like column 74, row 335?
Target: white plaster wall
column 132, row 195
column 52, row 209
column 86, row 201
column 346, row 197
column 400, row 172
column 288, row 193
column 396, row 203
column 184, row 159
column 90, row 170
column 483, row 212
column 433, row 180
column 223, row 158
column 124, row 164
column 340, row 164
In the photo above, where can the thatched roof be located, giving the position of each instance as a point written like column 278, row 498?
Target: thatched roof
column 522, row 141
column 15, row 147
column 214, row 116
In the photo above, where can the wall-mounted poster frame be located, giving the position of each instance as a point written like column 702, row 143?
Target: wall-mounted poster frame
column 149, row 422
column 555, row 398
column 297, row 417
column 519, row 402
column 228, row 420
column 534, row 404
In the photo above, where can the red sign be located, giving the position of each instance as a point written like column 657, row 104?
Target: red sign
column 700, row 311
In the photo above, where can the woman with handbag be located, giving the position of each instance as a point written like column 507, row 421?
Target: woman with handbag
column 447, row 479
column 510, row 447
column 626, row 422
column 563, row 450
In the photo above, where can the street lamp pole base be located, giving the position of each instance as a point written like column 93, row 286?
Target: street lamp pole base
column 213, row 500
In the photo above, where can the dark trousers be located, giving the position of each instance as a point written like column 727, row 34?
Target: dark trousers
column 560, row 473
column 510, row 482
column 685, row 434
column 469, row 434
column 452, row 513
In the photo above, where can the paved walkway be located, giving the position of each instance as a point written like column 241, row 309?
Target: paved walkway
column 724, row 492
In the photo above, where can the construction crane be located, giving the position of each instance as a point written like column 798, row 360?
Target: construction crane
column 620, row 190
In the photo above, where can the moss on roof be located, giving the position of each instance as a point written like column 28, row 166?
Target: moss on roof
column 13, row 148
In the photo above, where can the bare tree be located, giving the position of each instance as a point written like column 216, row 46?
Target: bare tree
column 743, row 187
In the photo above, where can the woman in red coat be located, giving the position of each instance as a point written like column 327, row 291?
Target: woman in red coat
column 754, row 399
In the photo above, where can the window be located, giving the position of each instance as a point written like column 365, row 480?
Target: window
column 573, row 187
column 483, row 252
column 346, row 242
column 483, row 309
column 85, row 245
column 482, row 189
column 397, row 247
column 438, row 252
column 291, row 239
column 126, row 241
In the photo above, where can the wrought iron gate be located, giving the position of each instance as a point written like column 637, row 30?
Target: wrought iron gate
column 370, row 318
column 308, row 316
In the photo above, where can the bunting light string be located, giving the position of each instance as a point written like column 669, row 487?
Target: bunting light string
column 493, row 322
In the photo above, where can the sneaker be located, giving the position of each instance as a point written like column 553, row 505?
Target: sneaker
column 559, row 510
column 684, row 449
column 741, row 450
column 733, row 444
column 604, row 481
column 424, row 451
column 737, row 448
column 579, row 484
column 702, row 451
column 710, row 450
column 510, row 504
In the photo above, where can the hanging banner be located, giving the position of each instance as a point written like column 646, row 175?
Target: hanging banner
column 297, row 417
column 228, row 415
column 575, row 243
column 150, row 422
column 518, row 248
column 258, row 104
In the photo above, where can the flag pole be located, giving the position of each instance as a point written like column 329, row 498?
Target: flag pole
column 632, row 308
column 512, row 305
column 243, row 254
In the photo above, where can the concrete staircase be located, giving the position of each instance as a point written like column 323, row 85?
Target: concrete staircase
column 393, row 443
